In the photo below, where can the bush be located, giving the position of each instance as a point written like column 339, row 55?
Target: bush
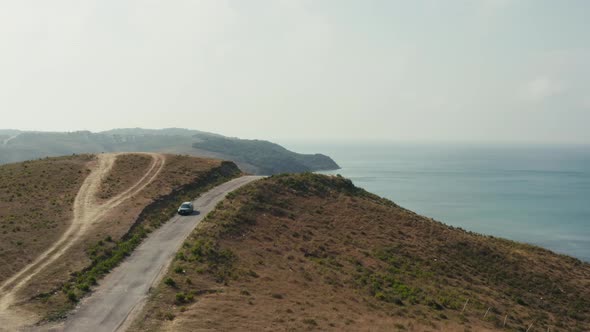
column 182, row 298
column 72, row 296
column 92, row 281
column 84, row 287
column 170, row 282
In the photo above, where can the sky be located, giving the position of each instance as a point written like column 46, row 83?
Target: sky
column 309, row 70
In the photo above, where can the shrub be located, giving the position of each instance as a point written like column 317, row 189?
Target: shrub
column 180, row 298
column 170, row 282
column 84, row 287
column 310, row 321
column 92, row 281
column 72, row 296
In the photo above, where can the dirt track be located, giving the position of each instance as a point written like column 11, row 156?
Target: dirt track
column 86, row 211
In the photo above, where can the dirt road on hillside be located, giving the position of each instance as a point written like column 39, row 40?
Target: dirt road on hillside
column 86, row 211
column 123, row 292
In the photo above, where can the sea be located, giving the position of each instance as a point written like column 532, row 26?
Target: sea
column 538, row 194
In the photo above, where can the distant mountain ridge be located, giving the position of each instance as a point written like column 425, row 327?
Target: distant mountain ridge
column 254, row 156
column 158, row 132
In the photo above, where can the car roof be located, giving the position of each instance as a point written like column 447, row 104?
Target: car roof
column 191, row 203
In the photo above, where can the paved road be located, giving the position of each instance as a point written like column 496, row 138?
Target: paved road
column 126, row 288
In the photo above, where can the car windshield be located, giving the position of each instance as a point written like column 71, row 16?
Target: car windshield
column 185, row 206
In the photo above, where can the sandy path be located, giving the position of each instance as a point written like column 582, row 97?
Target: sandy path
column 87, row 211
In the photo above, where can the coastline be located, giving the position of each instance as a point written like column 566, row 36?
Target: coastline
column 533, row 195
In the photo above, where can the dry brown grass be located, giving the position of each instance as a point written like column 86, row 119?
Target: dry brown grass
column 59, row 180
column 128, row 169
column 36, row 198
column 307, row 252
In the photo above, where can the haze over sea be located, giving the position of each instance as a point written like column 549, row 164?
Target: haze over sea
column 534, row 194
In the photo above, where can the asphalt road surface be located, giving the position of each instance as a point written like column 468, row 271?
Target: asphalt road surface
column 123, row 292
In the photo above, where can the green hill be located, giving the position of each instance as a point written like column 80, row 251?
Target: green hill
column 271, row 158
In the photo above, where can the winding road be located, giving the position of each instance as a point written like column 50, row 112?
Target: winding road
column 123, row 292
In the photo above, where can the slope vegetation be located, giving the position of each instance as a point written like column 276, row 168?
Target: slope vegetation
column 305, row 252
column 103, row 214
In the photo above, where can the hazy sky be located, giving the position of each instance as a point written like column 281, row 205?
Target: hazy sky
column 464, row 70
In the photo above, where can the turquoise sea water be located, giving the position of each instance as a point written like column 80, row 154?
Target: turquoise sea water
column 533, row 194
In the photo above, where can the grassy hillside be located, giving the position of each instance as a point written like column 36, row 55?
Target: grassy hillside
column 307, row 252
column 127, row 170
column 36, row 200
column 258, row 157
column 35, row 206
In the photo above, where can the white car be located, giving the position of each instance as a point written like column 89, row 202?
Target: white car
column 186, row 208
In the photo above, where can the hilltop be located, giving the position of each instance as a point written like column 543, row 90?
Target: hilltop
column 66, row 222
column 253, row 156
column 307, row 252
